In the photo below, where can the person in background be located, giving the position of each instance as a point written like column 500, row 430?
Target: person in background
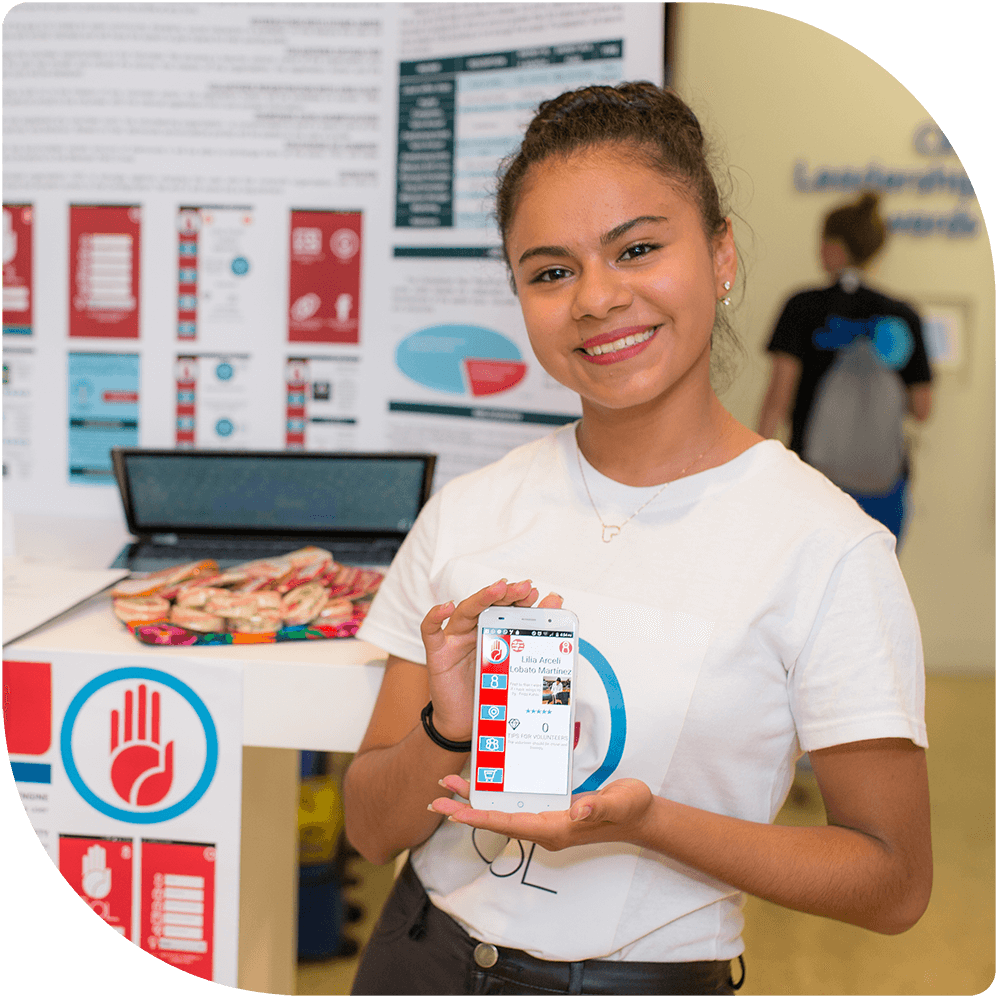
column 848, row 364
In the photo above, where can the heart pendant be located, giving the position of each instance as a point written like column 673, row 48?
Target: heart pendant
column 609, row 531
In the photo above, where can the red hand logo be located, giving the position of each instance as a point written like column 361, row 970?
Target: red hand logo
column 141, row 769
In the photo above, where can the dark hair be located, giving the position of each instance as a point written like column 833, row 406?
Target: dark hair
column 660, row 129
column 859, row 226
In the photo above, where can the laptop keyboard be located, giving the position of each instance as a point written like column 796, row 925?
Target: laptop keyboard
column 150, row 556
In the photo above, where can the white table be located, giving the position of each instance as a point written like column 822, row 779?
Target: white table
column 313, row 695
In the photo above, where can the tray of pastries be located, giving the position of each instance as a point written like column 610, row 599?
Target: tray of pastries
column 301, row 595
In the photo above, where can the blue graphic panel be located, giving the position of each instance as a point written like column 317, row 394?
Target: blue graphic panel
column 490, row 775
column 495, row 682
column 491, row 744
column 495, row 713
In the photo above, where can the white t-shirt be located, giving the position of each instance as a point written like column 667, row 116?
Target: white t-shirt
column 750, row 612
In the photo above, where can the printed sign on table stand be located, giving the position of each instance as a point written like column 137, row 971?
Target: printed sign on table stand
column 130, row 771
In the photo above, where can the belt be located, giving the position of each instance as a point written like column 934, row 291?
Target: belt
column 491, row 961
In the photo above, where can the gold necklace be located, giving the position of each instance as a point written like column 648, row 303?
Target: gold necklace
column 609, row 531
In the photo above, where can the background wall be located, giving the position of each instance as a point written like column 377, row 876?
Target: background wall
column 774, row 91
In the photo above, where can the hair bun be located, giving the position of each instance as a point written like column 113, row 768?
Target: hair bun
column 868, row 202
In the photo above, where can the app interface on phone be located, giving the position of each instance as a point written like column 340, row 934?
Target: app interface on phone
column 525, row 695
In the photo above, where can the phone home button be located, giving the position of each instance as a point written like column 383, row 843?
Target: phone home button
column 486, row 955
column 520, row 805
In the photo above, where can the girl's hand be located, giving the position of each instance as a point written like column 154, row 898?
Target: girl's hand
column 449, row 635
column 617, row 813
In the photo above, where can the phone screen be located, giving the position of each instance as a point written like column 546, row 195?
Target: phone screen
column 526, row 682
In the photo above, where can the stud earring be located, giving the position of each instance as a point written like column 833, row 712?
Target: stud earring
column 727, row 285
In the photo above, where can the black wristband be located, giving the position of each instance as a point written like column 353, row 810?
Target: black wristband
column 456, row 746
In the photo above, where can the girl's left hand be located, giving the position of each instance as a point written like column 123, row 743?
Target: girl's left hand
column 616, row 813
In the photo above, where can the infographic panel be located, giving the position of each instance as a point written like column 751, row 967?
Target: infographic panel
column 100, row 870
column 214, row 401
column 19, row 369
column 17, row 272
column 216, row 273
column 324, row 283
column 459, row 116
column 103, row 413
column 178, row 904
column 104, row 270
column 321, row 412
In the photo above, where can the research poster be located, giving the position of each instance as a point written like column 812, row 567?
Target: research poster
column 315, row 194
column 131, row 773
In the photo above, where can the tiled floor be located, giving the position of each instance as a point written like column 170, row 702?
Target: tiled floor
column 951, row 951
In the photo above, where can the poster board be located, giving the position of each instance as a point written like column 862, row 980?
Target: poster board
column 312, row 199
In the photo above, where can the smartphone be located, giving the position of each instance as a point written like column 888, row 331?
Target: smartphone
column 525, row 707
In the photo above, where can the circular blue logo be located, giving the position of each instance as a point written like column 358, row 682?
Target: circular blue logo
column 224, row 371
column 224, row 427
column 893, row 341
column 240, row 265
column 616, row 703
column 91, row 688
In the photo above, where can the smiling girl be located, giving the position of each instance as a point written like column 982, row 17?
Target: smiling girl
column 736, row 610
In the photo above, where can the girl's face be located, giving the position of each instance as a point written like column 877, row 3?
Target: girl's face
column 616, row 278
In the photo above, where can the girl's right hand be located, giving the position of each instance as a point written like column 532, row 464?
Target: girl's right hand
column 449, row 635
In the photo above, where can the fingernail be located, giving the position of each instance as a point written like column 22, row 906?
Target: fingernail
column 582, row 813
column 430, row 807
column 442, row 784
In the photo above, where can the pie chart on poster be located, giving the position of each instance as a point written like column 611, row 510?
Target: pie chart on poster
column 461, row 359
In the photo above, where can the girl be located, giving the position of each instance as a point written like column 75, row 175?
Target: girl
column 736, row 610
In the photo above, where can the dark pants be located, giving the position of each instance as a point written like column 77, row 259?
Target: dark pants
column 418, row 949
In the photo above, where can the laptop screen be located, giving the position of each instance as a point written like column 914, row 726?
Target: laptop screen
column 272, row 491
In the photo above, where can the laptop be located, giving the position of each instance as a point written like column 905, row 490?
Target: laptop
column 235, row 506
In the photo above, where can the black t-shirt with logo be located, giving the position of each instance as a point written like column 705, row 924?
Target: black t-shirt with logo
column 814, row 325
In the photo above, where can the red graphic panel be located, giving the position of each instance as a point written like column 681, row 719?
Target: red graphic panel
column 104, row 270
column 27, row 706
column 178, row 904
column 324, row 283
column 17, row 290
column 100, row 870
column 489, row 375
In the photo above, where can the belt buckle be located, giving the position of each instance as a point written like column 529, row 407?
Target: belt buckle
column 486, row 955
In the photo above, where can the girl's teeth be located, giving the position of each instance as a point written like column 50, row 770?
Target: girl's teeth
column 620, row 345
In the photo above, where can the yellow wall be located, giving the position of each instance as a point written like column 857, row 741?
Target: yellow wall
column 773, row 90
